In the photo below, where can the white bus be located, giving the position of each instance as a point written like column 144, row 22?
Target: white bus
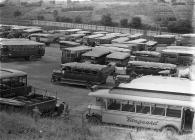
column 155, row 102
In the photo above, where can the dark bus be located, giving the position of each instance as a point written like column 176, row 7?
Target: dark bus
column 81, row 74
column 73, row 54
column 120, row 59
column 96, row 56
column 150, row 56
column 165, row 39
column 150, row 68
column 17, row 96
column 21, row 48
column 179, row 56
column 13, row 83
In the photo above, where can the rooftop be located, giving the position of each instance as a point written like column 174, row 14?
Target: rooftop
column 118, row 55
column 162, row 83
column 96, row 53
column 84, row 66
column 7, row 73
column 19, row 42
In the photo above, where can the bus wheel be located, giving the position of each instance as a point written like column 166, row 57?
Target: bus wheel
column 169, row 131
column 94, row 120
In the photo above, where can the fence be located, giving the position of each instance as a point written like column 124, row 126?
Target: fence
column 99, row 28
column 83, row 26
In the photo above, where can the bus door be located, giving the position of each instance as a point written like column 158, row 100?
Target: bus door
column 188, row 116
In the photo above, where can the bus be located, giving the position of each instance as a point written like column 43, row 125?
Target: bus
column 154, row 102
column 76, row 37
column 135, row 36
column 85, row 74
column 165, row 39
column 16, row 95
column 183, row 56
column 107, row 39
column 84, row 32
column 21, row 48
column 96, row 56
column 13, row 83
column 43, row 37
column 27, row 32
column 111, row 48
column 150, row 68
column 186, row 40
column 149, row 56
column 119, row 59
column 68, row 44
column 120, row 40
column 151, row 45
column 73, row 54
column 71, row 31
column 91, row 39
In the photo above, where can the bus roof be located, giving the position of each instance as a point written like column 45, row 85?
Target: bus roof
column 11, row 102
column 112, row 49
column 181, row 47
column 83, row 32
column 96, row 53
column 73, row 30
column 120, row 40
column 153, row 64
column 135, row 35
column 179, row 51
column 151, row 43
column 42, row 34
column 117, row 45
column 8, row 73
column 84, row 66
column 140, row 40
column 107, row 37
column 69, row 42
column 94, row 36
column 152, row 53
column 106, row 93
column 79, row 48
column 188, row 35
column 17, row 42
column 31, row 30
column 118, row 55
column 100, row 32
column 77, row 35
column 162, row 83
column 165, row 36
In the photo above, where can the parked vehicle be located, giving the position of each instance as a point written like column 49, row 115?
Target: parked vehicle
column 21, row 48
column 73, row 54
column 150, row 68
column 179, row 56
column 119, row 59
column 68, row 44
column 17, row 95
column 91, row 39
column 81, row 74
column 44, row 38
column 186, row 40
column 96, row 56
column 165, row 39
column 120, row 40
column 149, row 56
column 154, row 102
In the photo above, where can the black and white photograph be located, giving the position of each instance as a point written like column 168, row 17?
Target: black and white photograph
column 97, row 69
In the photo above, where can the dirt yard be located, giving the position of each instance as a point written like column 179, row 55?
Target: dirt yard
column 39, row 75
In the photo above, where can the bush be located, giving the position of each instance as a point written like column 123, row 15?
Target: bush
column 106, row 20
column 40, row 17
column 136, row 22
column 17, row 13
column 78, row 19
column 124, row 23
column 181, row 26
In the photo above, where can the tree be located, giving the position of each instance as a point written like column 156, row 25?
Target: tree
column 124, row 22
column 17, row 13
column 136, row 22
column 181, row 26
column 106, row 20
column 78, row 19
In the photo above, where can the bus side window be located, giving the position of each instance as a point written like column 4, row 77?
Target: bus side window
column 173, row 111
column 142, row 108
column 128, row 106
column 114, row 104
column 158, row 110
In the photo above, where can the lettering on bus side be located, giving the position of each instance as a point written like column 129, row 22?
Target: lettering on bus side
column 132, row 120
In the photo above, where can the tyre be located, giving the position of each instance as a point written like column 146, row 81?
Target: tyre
column 169, row 131
column 94, row 120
